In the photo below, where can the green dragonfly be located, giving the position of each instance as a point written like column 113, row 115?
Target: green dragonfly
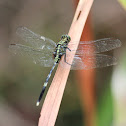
column 47, row 53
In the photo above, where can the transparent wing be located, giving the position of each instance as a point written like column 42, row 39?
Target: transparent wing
column 91, row 61
column 97, row 46
column 35, row 40
column 38, row 56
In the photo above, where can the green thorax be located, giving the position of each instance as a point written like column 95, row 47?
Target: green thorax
column 61, row 47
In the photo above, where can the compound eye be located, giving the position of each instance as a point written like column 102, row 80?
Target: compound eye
column 68, row 38
column 63, row 36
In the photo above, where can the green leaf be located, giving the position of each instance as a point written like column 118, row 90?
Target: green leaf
column 105, row 109
column 123, row 3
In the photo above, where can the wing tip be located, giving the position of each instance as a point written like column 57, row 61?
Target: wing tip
column 115, row 61
column 119, row 43
column 12, row 44
column 18, row 29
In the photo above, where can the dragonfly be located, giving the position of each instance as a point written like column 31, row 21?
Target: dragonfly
column 47, row 53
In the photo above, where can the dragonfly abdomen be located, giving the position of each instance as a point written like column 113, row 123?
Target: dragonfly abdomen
column 45, row 84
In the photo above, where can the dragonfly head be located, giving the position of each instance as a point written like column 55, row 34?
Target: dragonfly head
column 66, row 38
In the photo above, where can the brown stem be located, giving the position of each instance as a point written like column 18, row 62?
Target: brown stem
column 54, row 96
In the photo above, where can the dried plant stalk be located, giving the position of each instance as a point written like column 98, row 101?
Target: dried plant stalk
column 54, row 96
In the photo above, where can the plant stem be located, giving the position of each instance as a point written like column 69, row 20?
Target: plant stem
column 54, row 96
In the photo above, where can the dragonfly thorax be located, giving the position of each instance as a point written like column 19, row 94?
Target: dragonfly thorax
column 61, row 47
column 59, row 51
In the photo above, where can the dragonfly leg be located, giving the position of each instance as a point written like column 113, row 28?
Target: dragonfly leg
column 65, row 59
column 68, row 48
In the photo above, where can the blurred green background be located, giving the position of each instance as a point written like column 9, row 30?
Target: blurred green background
column 21, row 80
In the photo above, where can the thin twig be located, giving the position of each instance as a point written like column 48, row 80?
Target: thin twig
column 54, row 96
